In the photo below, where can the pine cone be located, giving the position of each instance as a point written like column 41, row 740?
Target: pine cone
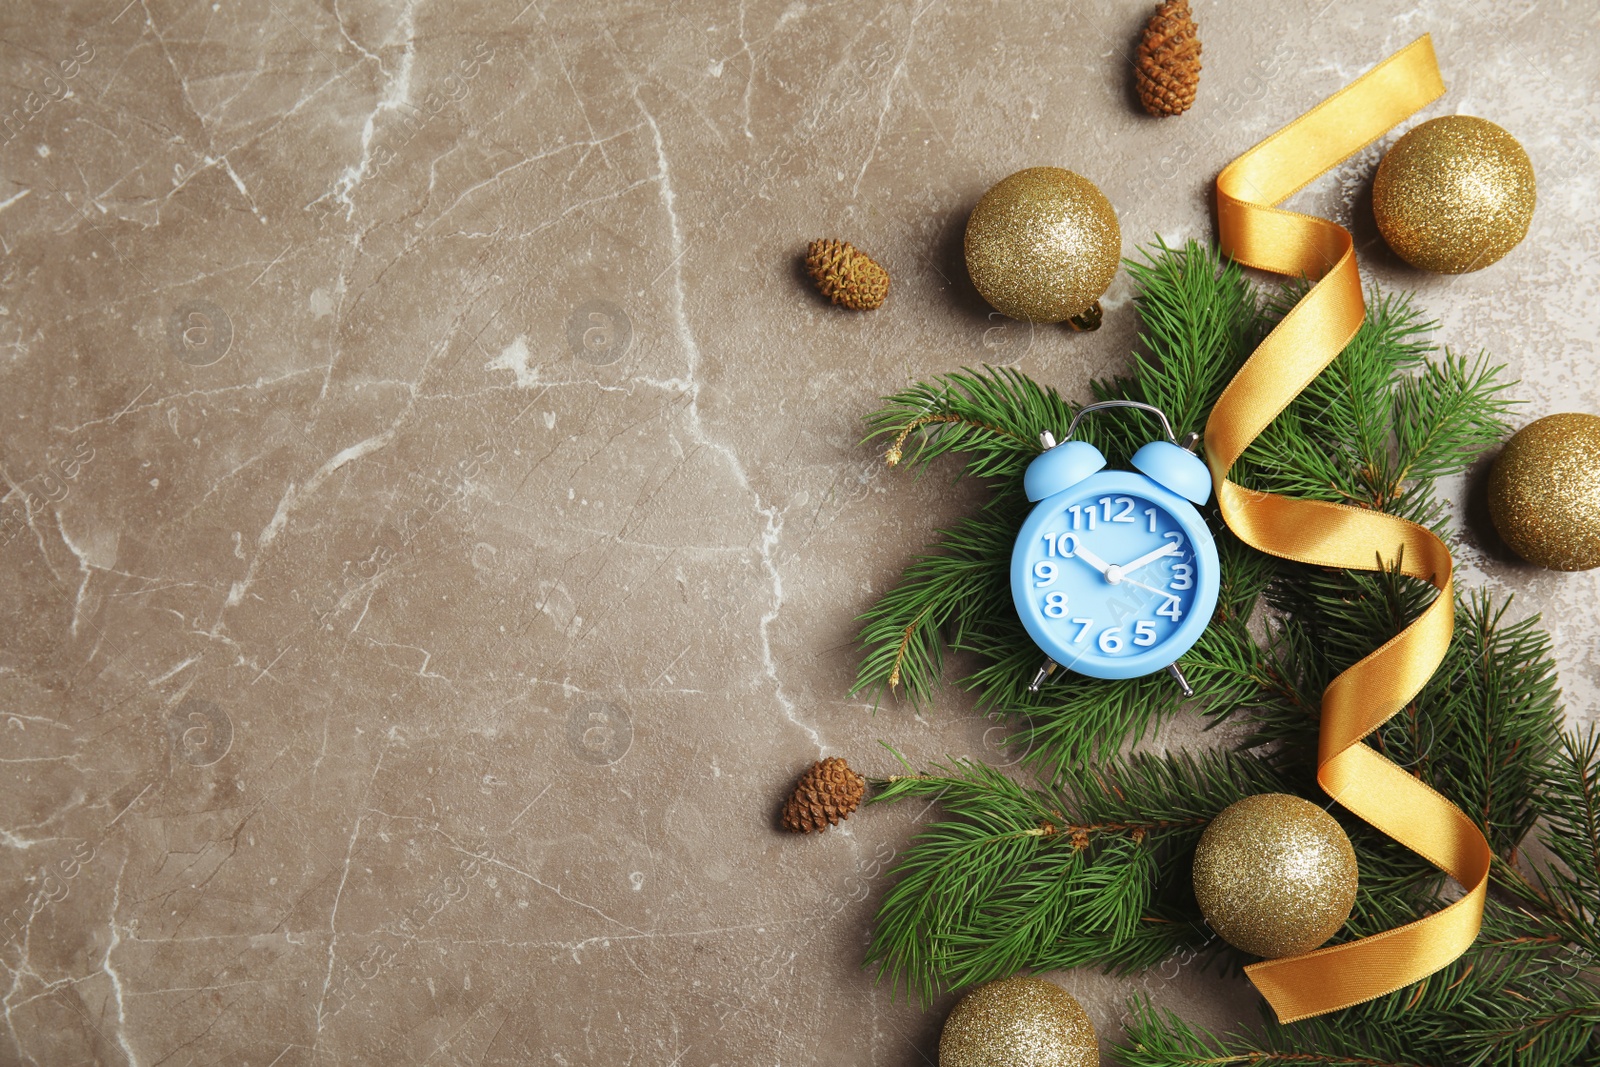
column 1167, row 70
column 845, row 275
column 825, row 796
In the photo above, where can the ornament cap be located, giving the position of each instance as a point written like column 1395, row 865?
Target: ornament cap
column 1175, row 468
column 1062, row 467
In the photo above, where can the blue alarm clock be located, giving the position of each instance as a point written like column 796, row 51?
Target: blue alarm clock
column 1114, row 573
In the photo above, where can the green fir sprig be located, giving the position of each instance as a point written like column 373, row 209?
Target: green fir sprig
column 1051, row 877
column 1089, row 864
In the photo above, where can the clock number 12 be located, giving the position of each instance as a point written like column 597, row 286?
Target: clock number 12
column 1125, row 515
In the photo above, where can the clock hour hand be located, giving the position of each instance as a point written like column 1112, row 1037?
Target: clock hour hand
column 1092, row 560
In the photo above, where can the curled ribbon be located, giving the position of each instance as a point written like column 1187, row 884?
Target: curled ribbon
column 1258, row 234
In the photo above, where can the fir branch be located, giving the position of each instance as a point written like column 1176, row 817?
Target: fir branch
column 1481, row 731
column 993, row 416
column 937, row 599
column 1015, row 877
column 1573, row 811
column 1159, row 1038
column 1493, row 712
column 1199, row 320
column 1065, row 725
column 1443, row 419
column 1514, row 998
column 1383, row 422
column 1569, row 801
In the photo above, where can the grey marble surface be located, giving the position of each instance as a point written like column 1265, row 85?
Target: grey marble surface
column 434, row 511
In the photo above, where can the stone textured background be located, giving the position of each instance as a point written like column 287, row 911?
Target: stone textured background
column 434, row 509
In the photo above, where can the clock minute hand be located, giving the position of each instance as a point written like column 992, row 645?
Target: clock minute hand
column 1169, row 549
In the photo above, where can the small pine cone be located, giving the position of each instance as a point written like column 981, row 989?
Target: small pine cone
column 825, row 796
column 1167, row 70
column 846, row 275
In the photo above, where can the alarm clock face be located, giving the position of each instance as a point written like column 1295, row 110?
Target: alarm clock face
column 1116, row 576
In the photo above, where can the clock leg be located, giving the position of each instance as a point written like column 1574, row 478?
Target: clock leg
column 1183, row 683
column 1045, row 671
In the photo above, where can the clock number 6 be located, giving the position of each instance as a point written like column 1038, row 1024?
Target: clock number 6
column 1111, row 639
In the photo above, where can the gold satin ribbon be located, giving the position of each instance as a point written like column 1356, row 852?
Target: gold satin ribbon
column 1256, row 233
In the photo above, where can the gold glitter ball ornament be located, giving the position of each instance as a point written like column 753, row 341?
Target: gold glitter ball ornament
column 1043, row 244
column 1544, row 492
column 1275, row 875
column 1454, row 195
column 1018, row 1022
